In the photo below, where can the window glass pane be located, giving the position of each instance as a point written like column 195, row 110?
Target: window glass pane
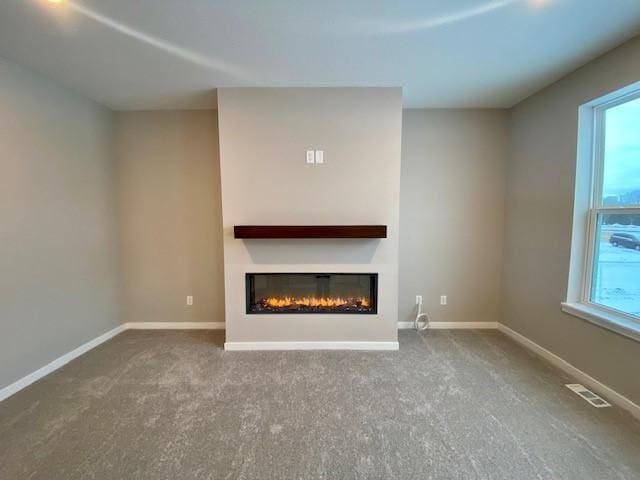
column 616, row 268
column 621, row 179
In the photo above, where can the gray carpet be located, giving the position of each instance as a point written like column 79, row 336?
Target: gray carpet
column 449, row 405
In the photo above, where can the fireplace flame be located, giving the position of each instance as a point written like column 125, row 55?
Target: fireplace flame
column 283, row 302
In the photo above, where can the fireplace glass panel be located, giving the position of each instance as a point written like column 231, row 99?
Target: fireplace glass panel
column 353, row 293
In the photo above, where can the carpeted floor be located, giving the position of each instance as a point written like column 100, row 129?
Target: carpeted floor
column 449, row 405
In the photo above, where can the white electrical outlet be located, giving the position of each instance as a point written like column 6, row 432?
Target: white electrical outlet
column 418, row 299
column 443, row 299
column 311, row 158
column 319, row 156
column 189, row 300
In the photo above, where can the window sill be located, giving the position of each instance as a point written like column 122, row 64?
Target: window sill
column 604, row 318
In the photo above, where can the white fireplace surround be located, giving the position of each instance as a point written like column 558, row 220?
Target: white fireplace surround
column 264, row 134
column 304, row 328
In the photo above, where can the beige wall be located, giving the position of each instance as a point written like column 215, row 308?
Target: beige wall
column 264, row 134
column 451, row 213
column 541, row 174
column 58, row 263
column 170, row 216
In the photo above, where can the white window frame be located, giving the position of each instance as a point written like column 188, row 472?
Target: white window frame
column 591, row 133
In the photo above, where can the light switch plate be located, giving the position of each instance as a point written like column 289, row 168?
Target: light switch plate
column 311, row 156
column 319, row 156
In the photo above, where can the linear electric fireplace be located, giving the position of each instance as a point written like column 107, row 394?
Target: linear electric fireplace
column 353, row 293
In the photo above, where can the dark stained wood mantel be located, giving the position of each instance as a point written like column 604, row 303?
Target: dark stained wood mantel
column 310, row 231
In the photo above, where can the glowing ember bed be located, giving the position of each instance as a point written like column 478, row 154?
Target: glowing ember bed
column 351, row 293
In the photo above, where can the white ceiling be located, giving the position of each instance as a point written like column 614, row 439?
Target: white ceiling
column 147, row 54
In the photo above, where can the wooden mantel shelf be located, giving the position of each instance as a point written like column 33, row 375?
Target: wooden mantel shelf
column 310, row 231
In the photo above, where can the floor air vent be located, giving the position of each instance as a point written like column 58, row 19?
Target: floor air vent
column 588, row 395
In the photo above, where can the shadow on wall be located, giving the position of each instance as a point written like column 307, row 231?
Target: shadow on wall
column 309, row 251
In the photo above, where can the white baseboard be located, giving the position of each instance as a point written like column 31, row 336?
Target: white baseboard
column 175, row 326
column 238, row 346
column 58, row 362
column 585, row 379
column 453, row 325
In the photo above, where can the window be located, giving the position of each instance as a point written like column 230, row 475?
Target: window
column 615, row 214
column 610, row 280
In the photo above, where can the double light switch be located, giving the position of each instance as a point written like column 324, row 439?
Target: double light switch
column 315, row 156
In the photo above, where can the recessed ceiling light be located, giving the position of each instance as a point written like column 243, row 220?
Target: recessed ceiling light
column 55, row 1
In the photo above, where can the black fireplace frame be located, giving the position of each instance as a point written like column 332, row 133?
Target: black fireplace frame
column 250, row 293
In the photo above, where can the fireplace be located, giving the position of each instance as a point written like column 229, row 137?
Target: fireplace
column 350, row 293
